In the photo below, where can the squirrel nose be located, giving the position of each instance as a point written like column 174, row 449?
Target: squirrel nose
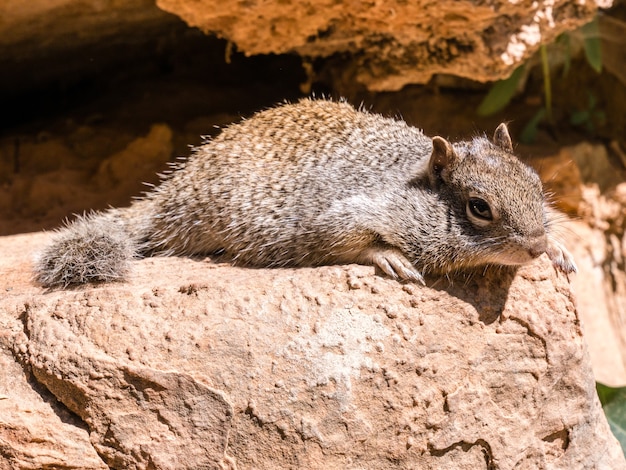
column 538, row 246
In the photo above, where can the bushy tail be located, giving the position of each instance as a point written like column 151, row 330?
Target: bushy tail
column 96, row 247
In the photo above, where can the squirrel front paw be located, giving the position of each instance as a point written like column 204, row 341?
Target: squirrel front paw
column 393, row 263
column 560, row 257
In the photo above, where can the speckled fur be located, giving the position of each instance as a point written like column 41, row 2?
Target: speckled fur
column 319, row 182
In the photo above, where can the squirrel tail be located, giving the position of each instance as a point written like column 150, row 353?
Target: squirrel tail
column 96, row 247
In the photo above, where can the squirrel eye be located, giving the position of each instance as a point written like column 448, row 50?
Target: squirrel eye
column 479, row 208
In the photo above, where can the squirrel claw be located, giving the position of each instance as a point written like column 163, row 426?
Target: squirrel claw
column 561, row 258
column 395, row 265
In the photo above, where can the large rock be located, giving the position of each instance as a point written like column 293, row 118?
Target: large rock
column 394, row 42
column 38, row 27
column 192, row 364
column 381, row 45
column 588, row 182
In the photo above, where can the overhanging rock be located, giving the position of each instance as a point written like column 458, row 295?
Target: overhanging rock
column 394, row 43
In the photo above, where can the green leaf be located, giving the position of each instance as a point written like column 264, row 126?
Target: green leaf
column 529, row 133
column 500, row 94
column 565, row 42
column 614, row 404
column 592, row 100
column 606, row 394
column 579, row 117
column 592, row 44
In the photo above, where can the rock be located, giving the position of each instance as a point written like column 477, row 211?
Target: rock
column 192, row 364
column 381, row 45
column 595, row 165
column 143, row 156
column 598, row 243
column 40, row 27
column 599, row 288
column 46, row 188
column 35, row 431
column 394, row 43
column 561, row 179
column 586, row 180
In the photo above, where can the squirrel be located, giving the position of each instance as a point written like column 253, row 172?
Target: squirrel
column 320, row 182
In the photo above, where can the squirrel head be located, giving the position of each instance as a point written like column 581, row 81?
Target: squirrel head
column 497, row 202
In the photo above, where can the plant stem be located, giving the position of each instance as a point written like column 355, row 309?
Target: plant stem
column 547, row 86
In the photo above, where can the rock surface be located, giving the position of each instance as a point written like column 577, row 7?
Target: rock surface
column 39, row 27
column 588, row 182
column 381, row 45
column 192, row 364
column 394, row 42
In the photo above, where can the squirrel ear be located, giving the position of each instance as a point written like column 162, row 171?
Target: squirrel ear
column 443, row 157
column 502, row 138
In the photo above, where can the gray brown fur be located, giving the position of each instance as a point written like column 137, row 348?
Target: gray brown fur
column 318, row 182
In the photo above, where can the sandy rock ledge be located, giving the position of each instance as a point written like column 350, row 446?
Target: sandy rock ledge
column 192, row 364
column 393, row 43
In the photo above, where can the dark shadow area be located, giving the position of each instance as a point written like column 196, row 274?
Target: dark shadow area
column 486, row 289
column 131, row 82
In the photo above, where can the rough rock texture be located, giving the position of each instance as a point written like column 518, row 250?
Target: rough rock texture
column 390, row 43
column 89, row 168
column 192, row 364
column 600, row 289
column 35, row 432
column 599, row 245
column 588, row 183
column 39, row 27
column 394, row 42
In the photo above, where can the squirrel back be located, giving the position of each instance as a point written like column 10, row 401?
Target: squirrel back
column 319, row 182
